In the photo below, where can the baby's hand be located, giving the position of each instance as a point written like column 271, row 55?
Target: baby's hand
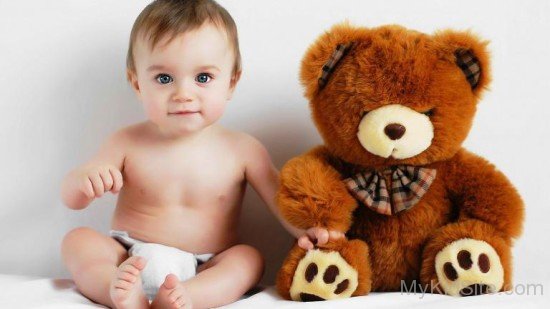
column 94, row 181
column 318, row 236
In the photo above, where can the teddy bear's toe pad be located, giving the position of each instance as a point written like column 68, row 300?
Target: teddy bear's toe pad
column 321, row 276
column 468, row 267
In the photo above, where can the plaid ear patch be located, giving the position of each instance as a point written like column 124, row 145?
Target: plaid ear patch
column 340, row 51
column 469, row 64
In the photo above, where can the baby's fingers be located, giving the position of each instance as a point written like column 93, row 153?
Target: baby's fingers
column 320, row 234
column 97, row 183
column 87, row 188
column 305, row 243
column 117, row 179
column 107, row 179
column 336, row 235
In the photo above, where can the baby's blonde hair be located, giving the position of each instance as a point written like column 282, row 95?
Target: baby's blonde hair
column 174, row 17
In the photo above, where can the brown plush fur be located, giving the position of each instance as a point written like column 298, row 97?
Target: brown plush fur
column 314, row 193
column 469, row 197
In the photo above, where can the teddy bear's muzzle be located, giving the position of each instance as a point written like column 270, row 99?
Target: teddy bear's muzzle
column 395, row 130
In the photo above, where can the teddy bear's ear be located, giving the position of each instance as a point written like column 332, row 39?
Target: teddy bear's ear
column 324, row 55
column 469, row 53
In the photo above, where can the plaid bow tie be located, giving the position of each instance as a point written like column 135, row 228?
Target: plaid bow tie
column 408, row 185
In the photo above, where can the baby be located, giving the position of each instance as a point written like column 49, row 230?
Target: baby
column 181, row 177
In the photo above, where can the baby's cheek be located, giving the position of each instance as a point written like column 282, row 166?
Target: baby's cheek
column 154, row 111
column 214, row 111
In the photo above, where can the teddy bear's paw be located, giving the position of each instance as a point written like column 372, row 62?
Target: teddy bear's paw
column 323, row 275
column 468, row 267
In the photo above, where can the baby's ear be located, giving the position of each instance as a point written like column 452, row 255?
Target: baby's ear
column 323, row 56
column 235, row 79
column 131, row 76
column 469, row 53
column 233, row 84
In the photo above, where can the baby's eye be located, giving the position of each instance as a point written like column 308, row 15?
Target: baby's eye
column 203, row 78
column 164, row 79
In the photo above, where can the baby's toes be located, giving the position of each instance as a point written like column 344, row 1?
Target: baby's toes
column 123, row 285
column 129, row 269
column 174, row 295
column 136, row 262
column 171, row 294
column 178, row 298
column 126, row 290
column 126, row 276
column 170, row 282
column 181, row 303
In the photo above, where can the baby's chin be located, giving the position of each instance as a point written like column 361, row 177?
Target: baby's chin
column 186, row 127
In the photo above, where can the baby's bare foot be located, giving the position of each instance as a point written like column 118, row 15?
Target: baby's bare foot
column 172, row 294
column 126, row 290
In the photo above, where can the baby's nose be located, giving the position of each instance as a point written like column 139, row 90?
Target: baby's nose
column 181, row 96
column 394, row 131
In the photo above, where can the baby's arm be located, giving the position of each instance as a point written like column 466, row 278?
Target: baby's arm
column 264, row 178
column 101, row 174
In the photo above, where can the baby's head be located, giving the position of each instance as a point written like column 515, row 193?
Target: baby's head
column 184, row 63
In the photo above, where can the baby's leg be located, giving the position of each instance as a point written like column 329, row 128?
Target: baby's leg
column 93, row 260
column 220, row 281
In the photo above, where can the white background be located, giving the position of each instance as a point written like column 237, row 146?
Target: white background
column 63, row 90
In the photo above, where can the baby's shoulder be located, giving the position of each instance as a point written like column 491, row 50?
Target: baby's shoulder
column 128, row 135
column 246, row 146
column 238, row 140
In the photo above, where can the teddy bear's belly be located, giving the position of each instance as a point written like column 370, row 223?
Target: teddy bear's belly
column 395, row 242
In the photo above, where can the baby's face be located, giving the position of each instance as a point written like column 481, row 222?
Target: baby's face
column 184, row 85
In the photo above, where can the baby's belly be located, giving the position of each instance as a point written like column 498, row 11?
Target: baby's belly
column 192, row 229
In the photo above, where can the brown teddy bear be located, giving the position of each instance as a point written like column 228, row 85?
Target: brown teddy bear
column 393, row 107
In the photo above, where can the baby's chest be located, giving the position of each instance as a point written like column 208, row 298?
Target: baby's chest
column 186, row 177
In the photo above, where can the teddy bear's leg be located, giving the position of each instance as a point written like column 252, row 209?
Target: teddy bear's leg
column 339, row 269
column 467, row 258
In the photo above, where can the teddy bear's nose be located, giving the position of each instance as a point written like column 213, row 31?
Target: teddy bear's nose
column 394, row 131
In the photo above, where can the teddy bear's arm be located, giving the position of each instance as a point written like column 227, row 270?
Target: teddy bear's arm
column 482, row 192
column 312, row 193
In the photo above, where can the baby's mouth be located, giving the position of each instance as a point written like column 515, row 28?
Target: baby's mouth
column 183, row 113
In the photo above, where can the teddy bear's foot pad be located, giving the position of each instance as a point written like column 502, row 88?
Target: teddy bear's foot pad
column 323, row 275
column 469, row 267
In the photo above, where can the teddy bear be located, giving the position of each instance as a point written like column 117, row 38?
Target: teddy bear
column 393, row 107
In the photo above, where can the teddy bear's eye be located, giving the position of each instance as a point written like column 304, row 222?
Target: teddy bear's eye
column 429, row 112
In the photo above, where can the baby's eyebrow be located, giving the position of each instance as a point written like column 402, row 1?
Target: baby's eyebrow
column 156, row 67
column 209, row 67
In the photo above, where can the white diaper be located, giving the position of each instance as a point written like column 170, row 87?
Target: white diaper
column 161, row 261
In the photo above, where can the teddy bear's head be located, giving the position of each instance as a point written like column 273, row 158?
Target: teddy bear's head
column 388, row 96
